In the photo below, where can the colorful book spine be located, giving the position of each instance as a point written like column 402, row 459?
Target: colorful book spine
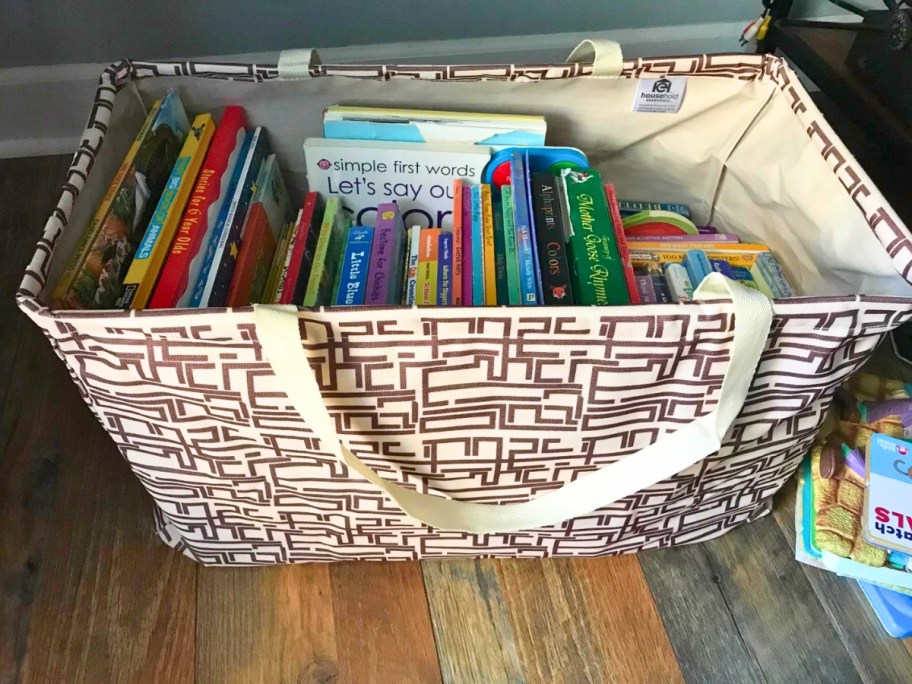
column 549, row 233
column 500, row 255
column 722, row 267
column 254, row 260
column 188, row 250
column 743, row 275
column 660, row 287
column 478, row 248
column 282, row 283
column 697, row 264
column 530, row 209
column 528, row 283
column 429, row 240
column 307, row 228
column 596, row 263
column 411, row 273
column 620, row 238
column 513, row 294
column 700, row 237
column 467, row 250
column 445, row 269
column 678, row 282
column 278, row 261
column 631, row 207
column 61, row 292
column 150, row 255
column 384, row 281
column 354, row 266
column 456, row 289
column 490, row 268
column 645, row 289
column 775, row 277
column 322, row 279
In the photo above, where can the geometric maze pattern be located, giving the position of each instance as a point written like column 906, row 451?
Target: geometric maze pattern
column 491, row 405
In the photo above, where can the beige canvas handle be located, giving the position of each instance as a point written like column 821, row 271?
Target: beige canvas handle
column 605, row 56
column 279, row 335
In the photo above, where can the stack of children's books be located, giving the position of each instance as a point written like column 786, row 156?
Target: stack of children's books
column 405, row 207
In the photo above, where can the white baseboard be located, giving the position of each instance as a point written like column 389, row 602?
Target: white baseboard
column 44, row 108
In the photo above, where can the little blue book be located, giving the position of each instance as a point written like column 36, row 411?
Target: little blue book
column 354, row 266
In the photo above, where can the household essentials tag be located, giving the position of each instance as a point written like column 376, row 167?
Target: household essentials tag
column 663, row 95
column 888, row 499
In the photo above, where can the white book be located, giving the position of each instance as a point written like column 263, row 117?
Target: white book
column 417, row 176
column 411, row 271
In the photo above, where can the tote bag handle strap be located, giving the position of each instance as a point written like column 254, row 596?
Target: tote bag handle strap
column 279, row 336
column 295, row 65
column 605, row 56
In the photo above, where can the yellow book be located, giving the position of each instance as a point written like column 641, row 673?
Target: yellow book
column 150, row 255
column 487, row 219
column 88, row 237
column 278, row 261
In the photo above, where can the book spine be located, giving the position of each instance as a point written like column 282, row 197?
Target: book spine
column 514, row 298
column 188, row 250
column 385, row 268
column 478, row 249
column 679, row 283
column 598, row 271
column 490, row 268
column 429, row 239
column 620, row 238
column 467, row 251
column 353, row 272
column 282, row 281
column 91, row 232
column 457, row 242
column 296, row 276
column 774, row 276
column 660, row 286
column 761, row 281
column 150, row 255
column 278, row 260
column 722, row 267
column 549, row 233
column 528, row 285
column 253, row 261
column 645, row 289
column 631, row 207
column 697, row 265
column 720, row 238
column 411, row 272
column 500, row 254
column 445, row 269
column 743, row 275
column 530, row 212
column 322, row 279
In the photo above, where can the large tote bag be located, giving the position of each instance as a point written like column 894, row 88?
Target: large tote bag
column 273, row 434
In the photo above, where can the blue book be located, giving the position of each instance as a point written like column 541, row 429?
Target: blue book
column 445, row 269
column 525, row 257
column 532, row 229
column 478, row 283
column 723, row 267
column 215, row 276
column 353, row 266
column 697, row 264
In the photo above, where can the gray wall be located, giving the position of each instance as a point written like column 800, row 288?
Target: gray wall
column 38, row 32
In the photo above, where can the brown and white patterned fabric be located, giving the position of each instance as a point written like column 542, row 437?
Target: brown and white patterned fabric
column 484, row 405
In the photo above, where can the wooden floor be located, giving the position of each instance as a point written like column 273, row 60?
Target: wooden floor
column 89, row 595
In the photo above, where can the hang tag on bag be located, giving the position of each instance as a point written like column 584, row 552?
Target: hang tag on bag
column 659, row 95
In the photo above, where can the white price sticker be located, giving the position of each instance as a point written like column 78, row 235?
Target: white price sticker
column 662, row 95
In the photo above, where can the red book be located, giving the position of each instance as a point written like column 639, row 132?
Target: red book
column 184, row 260
column 305, row 242
column 254, row 260
column 615, row 211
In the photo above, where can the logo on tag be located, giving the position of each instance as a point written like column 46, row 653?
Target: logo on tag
column 661, row 95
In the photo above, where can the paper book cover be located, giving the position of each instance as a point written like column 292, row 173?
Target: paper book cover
column 549, row 233
column 411, row 273
column 150, row 255
column 322, row 279
column 184, row 261
column 645, row 289
column 478, row 248
column 620, row 238
column 525, row 257
column 697, row 264
column 679, row 282
column 500, row 254
column 278, row 261
column 596, row 266
column 215, row 277
column 456, row 288
column 468, row 271
column 417, row 125
column 660, row 287
column 384, row 275
column 722, row 267
column 429, row 240
column 353, row 268
column 631, row 207
column 98, row 282
column 254, row 260
column 514, row 298
column 445, row 268
column 774, row 275
column 91, row 232
column 270, row 199
column 300, row 259
column 487, row 226
column 417, row 176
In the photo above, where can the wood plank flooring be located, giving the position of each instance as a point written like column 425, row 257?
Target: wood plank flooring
column 87, row 594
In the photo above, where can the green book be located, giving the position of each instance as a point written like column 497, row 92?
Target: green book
column 509, row 233
column 595, row 262
column 322, row 278
column 500, row 255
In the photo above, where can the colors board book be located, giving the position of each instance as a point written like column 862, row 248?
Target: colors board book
column 428, row 245
column 478, row 248
column 456, row 288
column 514, row 298
column 387, row 259
column 307, row 231
column 411, row 273
column 139, row 283
column 522, row 225
column 354, row 266
column 322, row 279
column 188, row 250
column 467, row 248
column 445, row 268
column 490, row 269
column 549, row 232
column 417, row 176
